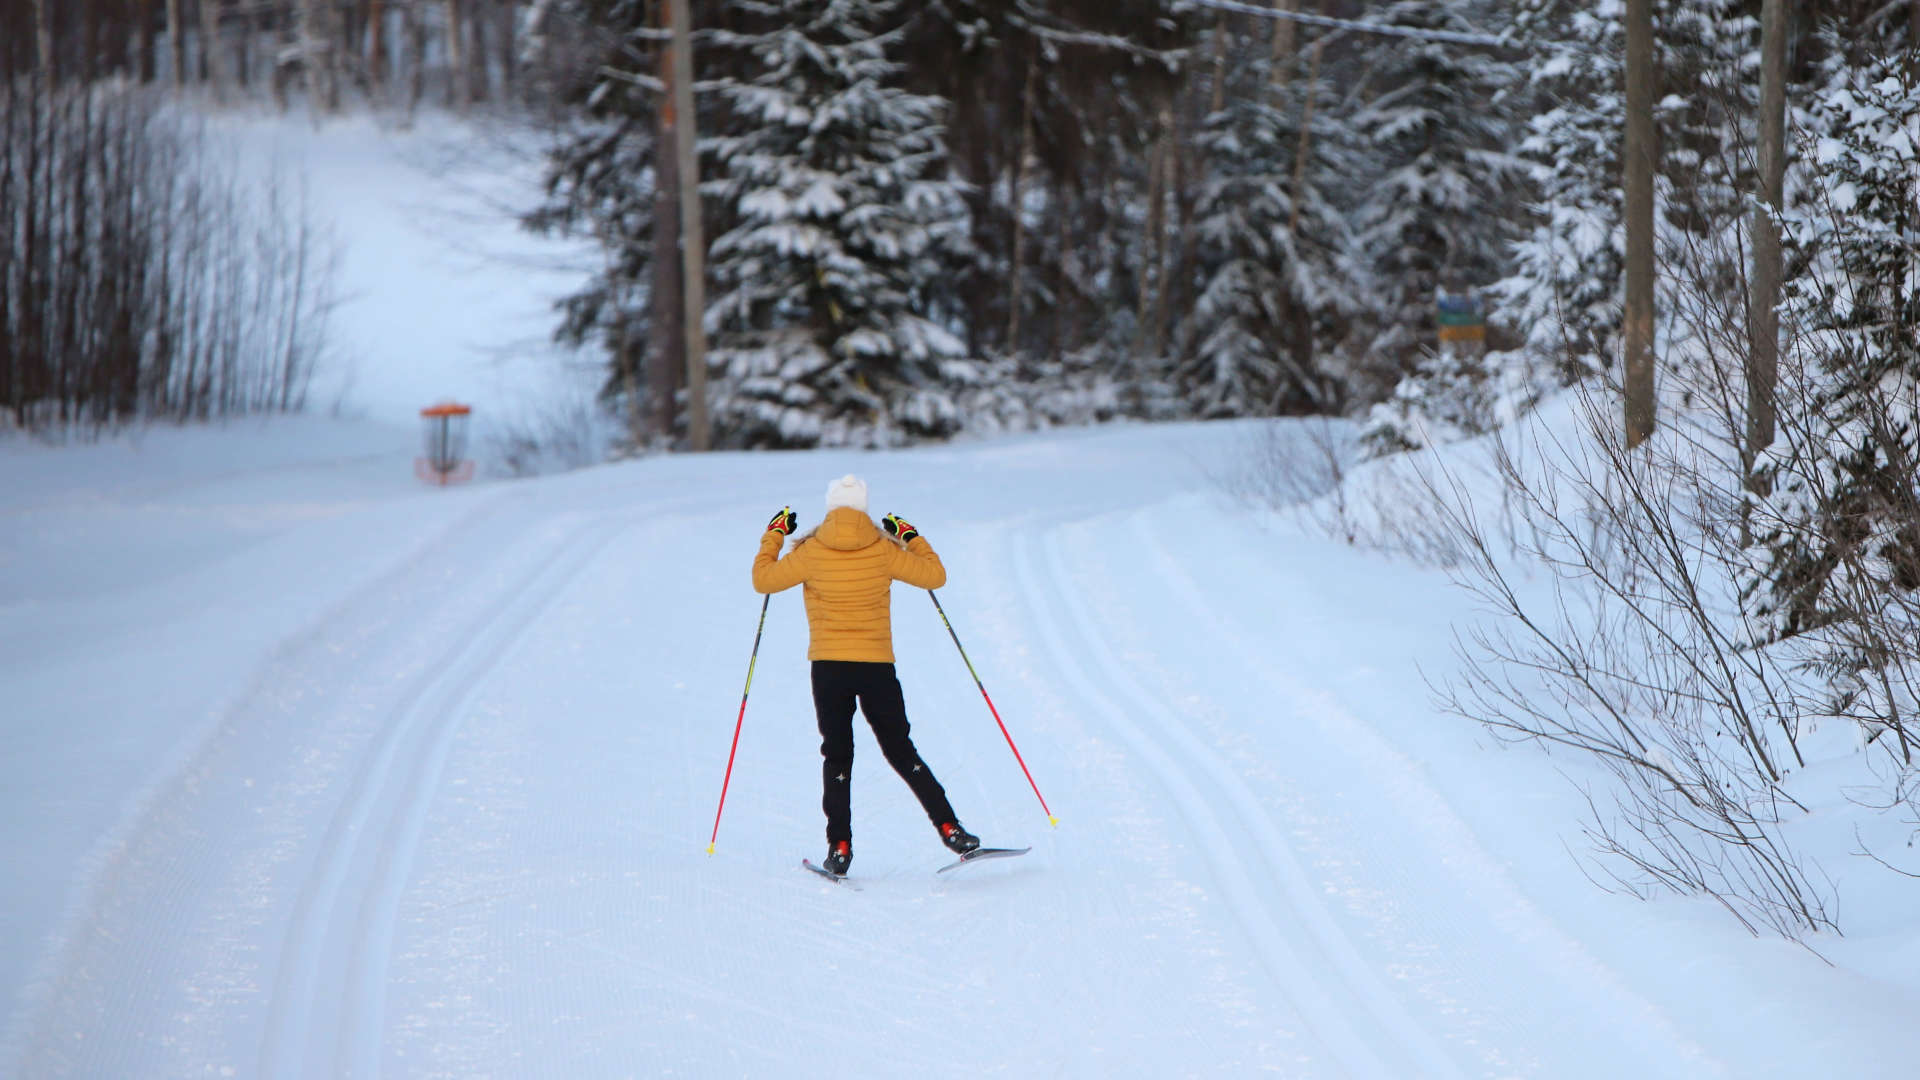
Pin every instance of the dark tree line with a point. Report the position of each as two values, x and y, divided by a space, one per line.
461 52
1173 209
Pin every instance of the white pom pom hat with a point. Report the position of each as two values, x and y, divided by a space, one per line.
849 491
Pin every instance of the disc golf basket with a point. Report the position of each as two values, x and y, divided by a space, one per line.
445 427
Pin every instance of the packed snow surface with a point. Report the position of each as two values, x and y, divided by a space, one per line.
312 771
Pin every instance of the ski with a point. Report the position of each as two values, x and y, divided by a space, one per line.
984 853
837 879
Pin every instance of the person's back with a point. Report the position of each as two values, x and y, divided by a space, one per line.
848 567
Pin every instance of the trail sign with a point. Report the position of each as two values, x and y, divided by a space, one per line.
1460 317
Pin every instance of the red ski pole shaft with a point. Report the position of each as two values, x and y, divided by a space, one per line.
1051 820
740 720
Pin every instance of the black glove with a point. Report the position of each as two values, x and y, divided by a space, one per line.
897 526
783 522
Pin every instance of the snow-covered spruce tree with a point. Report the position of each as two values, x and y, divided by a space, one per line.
845 227
600 182
1564 293
1438 120
1838 541
1274 264
1451 394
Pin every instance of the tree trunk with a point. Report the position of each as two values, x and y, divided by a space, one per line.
1177 275
43 39
1763 315
416 60
376 44
1015 293
1152 268
318 54
1637 166
1220 35
509 32
667 355
693 251
479 52
212 57
143 40
1283 47
457 88
1304 149
1063 285
1913 38
243 50
177 43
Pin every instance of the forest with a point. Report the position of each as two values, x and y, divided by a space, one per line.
978 214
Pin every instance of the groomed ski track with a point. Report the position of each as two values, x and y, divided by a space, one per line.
456 826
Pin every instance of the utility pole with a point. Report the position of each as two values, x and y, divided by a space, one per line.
1763 298
693 247
1636 161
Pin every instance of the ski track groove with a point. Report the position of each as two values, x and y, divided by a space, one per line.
1209 794
397 784
1401 778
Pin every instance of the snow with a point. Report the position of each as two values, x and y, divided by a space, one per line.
311 770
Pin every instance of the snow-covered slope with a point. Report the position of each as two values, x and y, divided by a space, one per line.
311 771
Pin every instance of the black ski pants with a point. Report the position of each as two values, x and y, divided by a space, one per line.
837 686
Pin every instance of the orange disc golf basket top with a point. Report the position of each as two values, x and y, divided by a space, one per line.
445 427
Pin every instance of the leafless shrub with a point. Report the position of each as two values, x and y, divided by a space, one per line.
572 434
138 279
1271 468
1631 650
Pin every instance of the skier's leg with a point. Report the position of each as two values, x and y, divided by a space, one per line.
886 711
833 701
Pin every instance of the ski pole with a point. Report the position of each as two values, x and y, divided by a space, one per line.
751 660
1051 820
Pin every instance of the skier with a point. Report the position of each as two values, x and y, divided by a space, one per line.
848 567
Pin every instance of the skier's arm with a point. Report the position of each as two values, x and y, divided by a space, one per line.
771 573
918 565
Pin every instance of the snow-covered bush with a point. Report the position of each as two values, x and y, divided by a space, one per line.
1455 394
1837 538
1613 578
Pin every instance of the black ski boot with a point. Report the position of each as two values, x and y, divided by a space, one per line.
958 840
839 857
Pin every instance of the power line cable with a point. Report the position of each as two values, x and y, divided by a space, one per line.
1454 36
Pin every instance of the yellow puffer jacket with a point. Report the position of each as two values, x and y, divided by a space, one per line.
848 566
